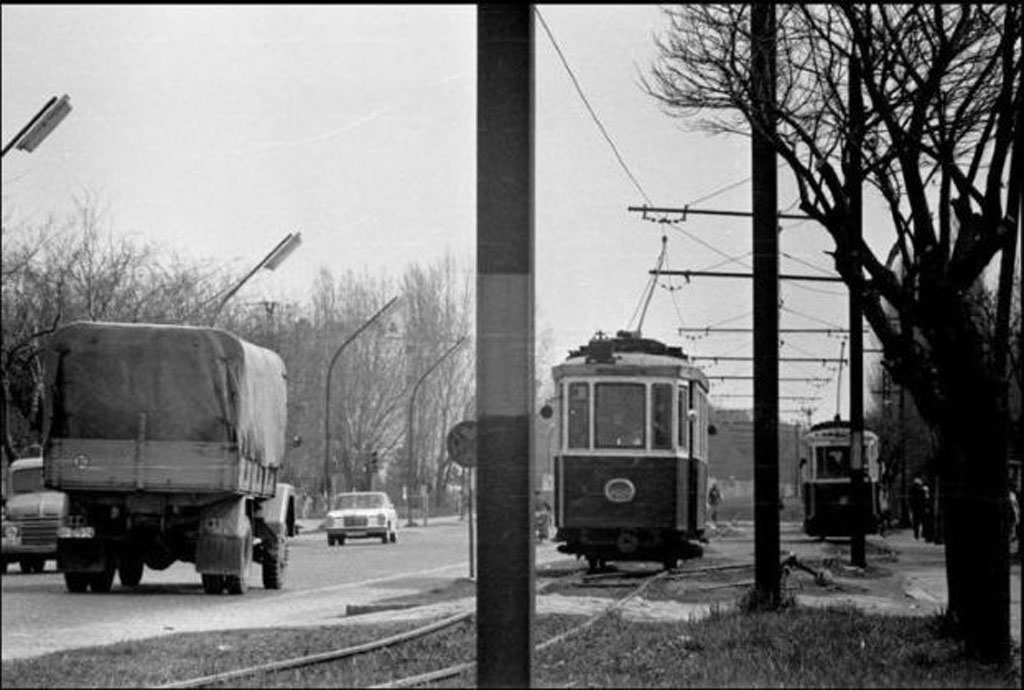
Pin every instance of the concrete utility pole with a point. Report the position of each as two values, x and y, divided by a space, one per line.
766 309
504 322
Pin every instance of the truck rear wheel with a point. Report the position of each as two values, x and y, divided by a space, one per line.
101 582
129 571
77 582
213 584
236 584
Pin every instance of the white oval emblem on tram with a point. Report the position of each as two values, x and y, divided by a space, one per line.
619 490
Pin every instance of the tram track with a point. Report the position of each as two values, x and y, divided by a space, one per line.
291 663
457 669
635 582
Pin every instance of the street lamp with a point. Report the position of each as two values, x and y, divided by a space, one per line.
40 126
271 261
327 397
409 436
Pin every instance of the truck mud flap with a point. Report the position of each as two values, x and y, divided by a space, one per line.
225 539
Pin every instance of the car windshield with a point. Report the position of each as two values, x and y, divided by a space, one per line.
358 501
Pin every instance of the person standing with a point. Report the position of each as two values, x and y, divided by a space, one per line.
714 498
918 499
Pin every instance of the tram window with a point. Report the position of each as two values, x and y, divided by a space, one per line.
620 415
661 409
684 418
833 462
579 415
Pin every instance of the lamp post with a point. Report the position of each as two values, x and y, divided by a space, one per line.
409 436
271 261
40 126
327 396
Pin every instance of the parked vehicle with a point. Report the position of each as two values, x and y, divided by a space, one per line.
167 441
362 515
31 517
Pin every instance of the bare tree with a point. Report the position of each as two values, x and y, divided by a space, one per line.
57 272
367 381
438 312
942 85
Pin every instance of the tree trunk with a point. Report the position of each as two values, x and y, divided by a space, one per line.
974 503
977 550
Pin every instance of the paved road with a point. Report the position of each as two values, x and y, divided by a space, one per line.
39 616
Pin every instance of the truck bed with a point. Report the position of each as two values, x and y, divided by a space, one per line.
85 464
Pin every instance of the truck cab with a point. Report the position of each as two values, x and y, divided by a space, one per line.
31 517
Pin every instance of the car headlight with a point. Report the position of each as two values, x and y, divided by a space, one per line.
381 519
12 531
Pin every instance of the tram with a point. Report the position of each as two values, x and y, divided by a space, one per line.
631 466
826 485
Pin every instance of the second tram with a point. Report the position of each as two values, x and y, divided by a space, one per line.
829 505
631 468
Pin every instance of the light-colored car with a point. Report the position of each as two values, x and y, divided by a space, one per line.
362 514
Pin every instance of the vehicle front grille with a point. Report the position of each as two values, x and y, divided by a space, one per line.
355 521
38 531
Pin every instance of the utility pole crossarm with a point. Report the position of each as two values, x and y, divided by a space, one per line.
734 274
686 210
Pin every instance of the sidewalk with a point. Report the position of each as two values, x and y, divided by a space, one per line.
924 575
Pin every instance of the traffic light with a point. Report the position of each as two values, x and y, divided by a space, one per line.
373 461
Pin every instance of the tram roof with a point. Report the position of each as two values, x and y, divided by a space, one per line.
837 424
627 354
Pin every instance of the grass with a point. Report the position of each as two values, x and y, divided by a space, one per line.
795 647
838 647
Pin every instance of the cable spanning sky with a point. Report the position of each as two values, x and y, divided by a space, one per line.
217 130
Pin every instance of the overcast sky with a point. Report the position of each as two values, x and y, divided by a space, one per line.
215 131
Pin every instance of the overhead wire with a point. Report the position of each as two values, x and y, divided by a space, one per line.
590 109
615 150
727 258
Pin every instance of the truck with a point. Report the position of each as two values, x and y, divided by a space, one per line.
31 516
167 441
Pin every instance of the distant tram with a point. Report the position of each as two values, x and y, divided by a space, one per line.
826 485
631 466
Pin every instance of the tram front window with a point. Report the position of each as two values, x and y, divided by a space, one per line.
620 418
661 406
833 462
579 415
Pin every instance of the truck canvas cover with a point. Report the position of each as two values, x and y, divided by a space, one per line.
191 384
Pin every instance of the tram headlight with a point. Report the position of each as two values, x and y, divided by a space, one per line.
619 490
